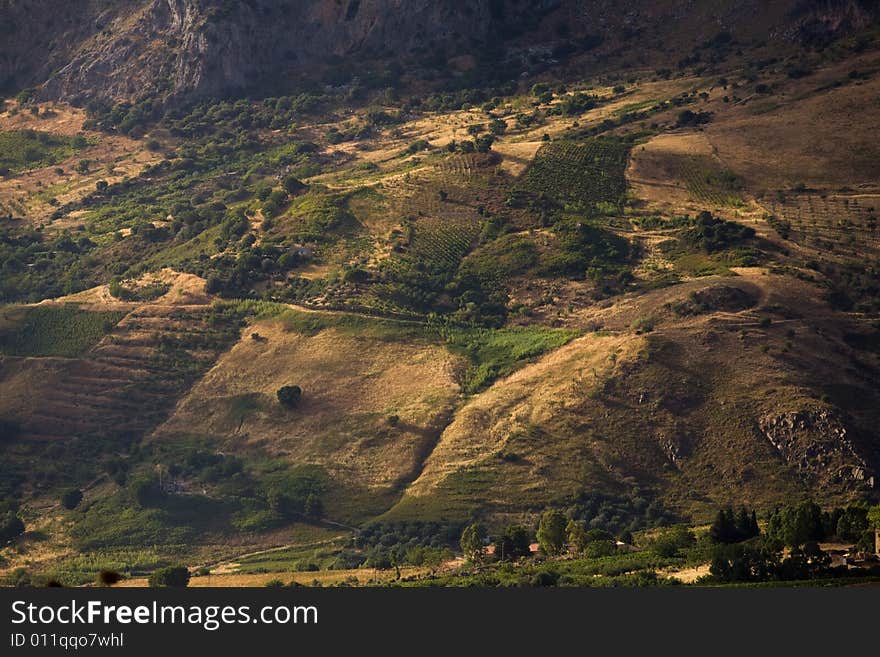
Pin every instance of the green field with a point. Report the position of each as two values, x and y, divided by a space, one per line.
57 330
21 150
498 353
590 173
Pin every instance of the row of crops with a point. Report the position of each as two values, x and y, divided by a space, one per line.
441 224
708 182
845 225
435 248
589 173
52 330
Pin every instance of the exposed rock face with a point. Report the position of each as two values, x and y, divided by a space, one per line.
131 49
816 21
816 443
138 48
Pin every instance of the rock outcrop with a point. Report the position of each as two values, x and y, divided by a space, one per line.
817 444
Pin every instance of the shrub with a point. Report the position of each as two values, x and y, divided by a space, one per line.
147 491
289 396
108 577
292 185
70 499
11 526
171 576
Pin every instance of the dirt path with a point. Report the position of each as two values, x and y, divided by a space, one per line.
687 575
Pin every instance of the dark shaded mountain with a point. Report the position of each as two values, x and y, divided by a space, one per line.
135 49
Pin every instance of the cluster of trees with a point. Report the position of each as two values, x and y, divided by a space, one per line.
689 118
34 265
480 144
761 563
575 105
556 535
205 118
297 494
734 527
793 526
384 545
711 233
745 555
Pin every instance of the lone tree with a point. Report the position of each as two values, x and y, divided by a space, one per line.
473 542
551 532
498 127
70 499
576 535
289 396
513 543
172 576
148 491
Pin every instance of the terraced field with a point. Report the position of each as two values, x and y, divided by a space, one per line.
440 220
457 183
131 380
841 225
708 182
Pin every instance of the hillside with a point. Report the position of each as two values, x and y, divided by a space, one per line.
242 314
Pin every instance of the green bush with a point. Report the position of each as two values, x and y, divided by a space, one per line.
171 576
70 499
289 396
11 526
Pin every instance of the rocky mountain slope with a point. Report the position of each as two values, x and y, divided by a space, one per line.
178 49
